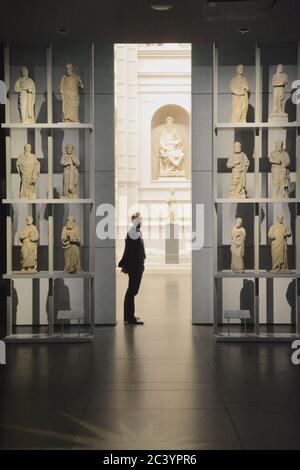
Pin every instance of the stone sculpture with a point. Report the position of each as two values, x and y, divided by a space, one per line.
28 240
69 87
171 154
280 161
238 163
70 238
28 168
238 236
25 87
239 87
279 233
70 163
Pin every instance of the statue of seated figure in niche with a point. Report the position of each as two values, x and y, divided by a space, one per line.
171 155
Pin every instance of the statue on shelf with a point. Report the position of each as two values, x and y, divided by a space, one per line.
71 163
25 87
238 162
70 238
172 205
28 240
238 236
279 80
239 87
278 233
28 168
171 154
70 84
280 161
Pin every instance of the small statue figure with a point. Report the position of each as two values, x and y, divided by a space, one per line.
28 240
28 168
279 80
238 236
239 163
172 206
171 154
25 87
278 233
70 238
280 161
70 84
239 87
71 163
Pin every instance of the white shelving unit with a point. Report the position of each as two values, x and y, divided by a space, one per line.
256 202
86 205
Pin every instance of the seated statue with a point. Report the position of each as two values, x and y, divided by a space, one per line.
171 154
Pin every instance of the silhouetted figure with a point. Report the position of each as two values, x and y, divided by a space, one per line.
132 263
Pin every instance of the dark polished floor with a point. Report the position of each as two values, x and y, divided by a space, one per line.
164 385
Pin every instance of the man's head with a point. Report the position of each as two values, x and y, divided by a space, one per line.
136 219
24 71
240 69
279 145
29 220
27 148
69 68
237 147
279 68
238 222
280 219
69 149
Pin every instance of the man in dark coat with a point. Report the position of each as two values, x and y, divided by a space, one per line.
132 263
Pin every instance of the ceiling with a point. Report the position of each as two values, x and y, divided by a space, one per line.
135 21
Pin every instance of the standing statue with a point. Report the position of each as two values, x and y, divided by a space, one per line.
171 154
278 233
172 206
239 87
239 163
70 84
70 238
25 87
28 168
238 236
280 161
28 240
279 80
71 163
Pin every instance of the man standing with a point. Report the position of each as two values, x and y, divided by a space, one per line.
132 263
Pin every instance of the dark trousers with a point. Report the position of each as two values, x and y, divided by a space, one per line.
134 283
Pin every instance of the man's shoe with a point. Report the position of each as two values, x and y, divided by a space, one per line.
126 319
134 321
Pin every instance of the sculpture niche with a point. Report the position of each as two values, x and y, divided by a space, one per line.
238 163
28 168
28 241
70 238
69 87
279 233
70 163
171 156
26 90
280 161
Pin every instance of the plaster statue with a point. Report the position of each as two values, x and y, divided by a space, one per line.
279 80
70 238
28 240
25 87
238 236
278 233
70 84
280 161
239 87
172 205
171 154
28 168
71 163
238 162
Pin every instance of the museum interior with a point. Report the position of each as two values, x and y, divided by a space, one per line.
185 114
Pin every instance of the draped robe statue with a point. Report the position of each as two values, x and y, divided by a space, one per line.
70 238
279 80
70 84
171 154
25 87
278 233
238 162
28 168
239 87
71 163
238 236
280 161
28 240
